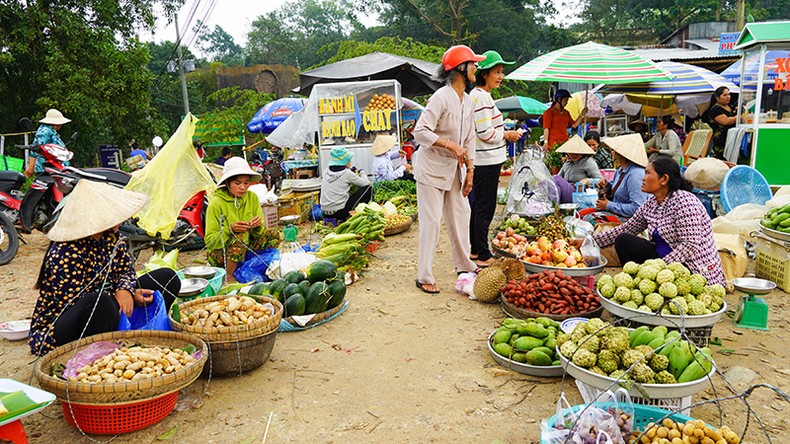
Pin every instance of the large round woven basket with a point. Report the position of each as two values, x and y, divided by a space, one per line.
236 357
222 334
319 316
518 312
398 228
120 392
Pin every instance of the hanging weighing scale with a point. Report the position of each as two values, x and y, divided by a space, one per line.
752 311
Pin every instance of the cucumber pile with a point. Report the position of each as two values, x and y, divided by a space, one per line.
321 289
778 219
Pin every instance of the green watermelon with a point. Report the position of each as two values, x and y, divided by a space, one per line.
295 305
317 297
259 289
294 277
276 289
321 270
289 290
304 286
338 291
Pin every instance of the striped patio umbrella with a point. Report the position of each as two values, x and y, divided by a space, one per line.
687 79
590 63
515 104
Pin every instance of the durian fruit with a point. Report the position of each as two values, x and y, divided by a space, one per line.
512 268
488 284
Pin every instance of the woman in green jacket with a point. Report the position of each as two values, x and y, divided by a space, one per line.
234 218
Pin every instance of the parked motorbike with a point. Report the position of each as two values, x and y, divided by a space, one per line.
9 239
268 163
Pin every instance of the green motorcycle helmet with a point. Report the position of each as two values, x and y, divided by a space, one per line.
492 58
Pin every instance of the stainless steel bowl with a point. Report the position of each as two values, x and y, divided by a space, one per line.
200 271
192 287
753 285
285 220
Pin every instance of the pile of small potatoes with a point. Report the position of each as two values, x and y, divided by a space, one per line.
133 364
692 432
228 312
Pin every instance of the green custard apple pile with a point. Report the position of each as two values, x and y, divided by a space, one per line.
642 355
648 286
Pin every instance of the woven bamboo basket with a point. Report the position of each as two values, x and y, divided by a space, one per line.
120 392
236 357
318 317
399 228
222 334
518 312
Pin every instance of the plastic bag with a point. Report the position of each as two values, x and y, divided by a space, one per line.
87 355
742 220
585 196
591 252
532 191
780 199
564 420
253 269
465 284
579 228
150 317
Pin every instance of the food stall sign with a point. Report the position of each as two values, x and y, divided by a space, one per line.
727 43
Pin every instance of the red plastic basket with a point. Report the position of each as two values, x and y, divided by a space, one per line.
112 419
374 245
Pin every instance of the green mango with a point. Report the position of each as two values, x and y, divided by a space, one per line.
537 357
548 351
537 331
503 349
527 343
520 357
502 336
635 333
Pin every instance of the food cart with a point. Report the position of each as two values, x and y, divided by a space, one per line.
352 114
764 102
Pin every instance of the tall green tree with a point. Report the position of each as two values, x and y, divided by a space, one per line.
219 46
82 58
293 34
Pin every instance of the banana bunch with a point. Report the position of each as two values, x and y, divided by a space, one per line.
368 223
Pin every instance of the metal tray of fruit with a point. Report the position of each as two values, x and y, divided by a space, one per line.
648 391
672 321
519 313
550 371
498 252
574 272
775 233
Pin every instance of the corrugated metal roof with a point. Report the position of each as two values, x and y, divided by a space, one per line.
711 51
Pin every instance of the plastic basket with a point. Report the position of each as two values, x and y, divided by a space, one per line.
111 419
643 415
591 394
743 185
772 262
374 245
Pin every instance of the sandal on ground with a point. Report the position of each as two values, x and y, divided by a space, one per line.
424 287
473 257
475 271
485 263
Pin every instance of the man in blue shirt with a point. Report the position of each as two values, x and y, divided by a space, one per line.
46 133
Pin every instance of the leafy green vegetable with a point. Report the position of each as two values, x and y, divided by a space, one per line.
388 189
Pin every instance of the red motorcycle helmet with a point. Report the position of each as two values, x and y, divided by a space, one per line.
457 55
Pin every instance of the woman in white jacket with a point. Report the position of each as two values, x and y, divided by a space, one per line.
490 153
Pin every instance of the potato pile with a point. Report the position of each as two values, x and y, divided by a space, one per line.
693 432
381 101
227 313
133 364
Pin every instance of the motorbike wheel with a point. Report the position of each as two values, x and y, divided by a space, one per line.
9 240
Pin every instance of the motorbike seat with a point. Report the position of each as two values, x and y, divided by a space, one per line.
11 180
116 177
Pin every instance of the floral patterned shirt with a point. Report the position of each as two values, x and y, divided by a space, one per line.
71 270
683 223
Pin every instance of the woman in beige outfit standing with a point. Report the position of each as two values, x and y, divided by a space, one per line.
444 165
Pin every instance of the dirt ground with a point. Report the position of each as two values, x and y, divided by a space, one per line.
398 366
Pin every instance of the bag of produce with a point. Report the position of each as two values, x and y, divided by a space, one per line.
564 420
150 317
532 190
590 252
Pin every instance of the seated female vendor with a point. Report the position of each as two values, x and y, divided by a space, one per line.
383 158
580 167
234 218
337 200
87 278
666 141
678 225
618 200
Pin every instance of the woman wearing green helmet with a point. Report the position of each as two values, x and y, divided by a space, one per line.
490 153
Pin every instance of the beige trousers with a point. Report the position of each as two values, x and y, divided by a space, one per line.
432 204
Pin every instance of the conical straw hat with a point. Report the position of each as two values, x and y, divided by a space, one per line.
629 146
576 146
93 207
382 144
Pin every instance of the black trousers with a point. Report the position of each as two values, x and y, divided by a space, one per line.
483 203
105 317
634 248
363 194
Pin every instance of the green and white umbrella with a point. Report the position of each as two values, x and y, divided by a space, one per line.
590 63
515 104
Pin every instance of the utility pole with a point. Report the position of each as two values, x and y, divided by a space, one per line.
181 69
740 20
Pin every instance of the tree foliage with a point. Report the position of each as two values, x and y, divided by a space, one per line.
219 46
231 109
293 34
83 59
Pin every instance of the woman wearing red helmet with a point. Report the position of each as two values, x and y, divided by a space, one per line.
444 165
